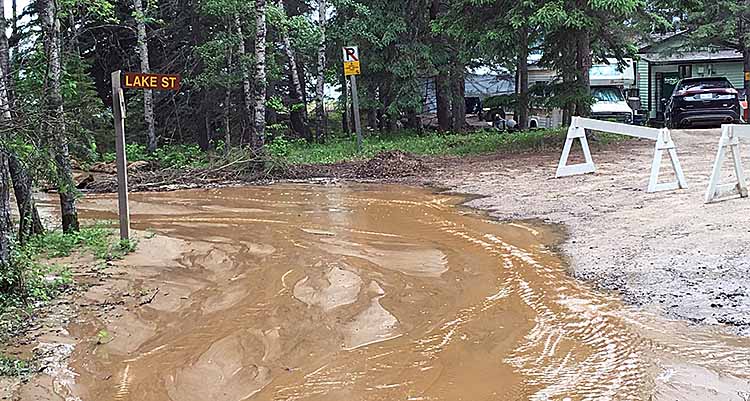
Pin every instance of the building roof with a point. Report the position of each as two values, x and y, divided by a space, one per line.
674 48
692 56
483 86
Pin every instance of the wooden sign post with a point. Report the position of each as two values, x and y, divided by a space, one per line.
351 70
118 107
133 80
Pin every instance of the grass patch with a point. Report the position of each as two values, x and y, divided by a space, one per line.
344 148
32 280
168 156
432 144
14 367
97 239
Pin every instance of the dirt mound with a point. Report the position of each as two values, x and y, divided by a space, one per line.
391 164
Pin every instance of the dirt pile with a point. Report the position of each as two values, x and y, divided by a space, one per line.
387 165
391 164
163 180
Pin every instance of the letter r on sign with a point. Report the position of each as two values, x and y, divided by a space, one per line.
351 54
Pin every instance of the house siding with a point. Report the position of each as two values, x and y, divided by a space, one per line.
731 70
642 76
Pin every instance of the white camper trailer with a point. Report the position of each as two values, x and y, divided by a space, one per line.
611 87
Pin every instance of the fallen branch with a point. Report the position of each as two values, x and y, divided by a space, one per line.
151 298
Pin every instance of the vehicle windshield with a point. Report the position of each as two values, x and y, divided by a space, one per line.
707 84
607 94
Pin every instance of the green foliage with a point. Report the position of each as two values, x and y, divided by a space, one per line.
167 156
40 281
276 104
714 25
507 102
341 149
103 337
14 367
279 147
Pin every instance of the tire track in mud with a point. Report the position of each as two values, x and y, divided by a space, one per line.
613 366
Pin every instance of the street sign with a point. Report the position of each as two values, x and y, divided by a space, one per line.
351 70
164 82
133 80
351 61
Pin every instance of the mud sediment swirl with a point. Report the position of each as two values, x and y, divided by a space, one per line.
370 293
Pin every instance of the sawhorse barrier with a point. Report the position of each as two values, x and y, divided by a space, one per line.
662 137
730 140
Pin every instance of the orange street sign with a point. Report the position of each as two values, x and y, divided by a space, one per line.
164 82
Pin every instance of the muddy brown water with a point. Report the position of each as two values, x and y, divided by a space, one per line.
355 292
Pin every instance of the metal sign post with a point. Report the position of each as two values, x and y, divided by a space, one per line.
351 70
118 107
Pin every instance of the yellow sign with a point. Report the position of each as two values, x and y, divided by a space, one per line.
352 68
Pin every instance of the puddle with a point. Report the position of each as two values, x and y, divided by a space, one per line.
377 293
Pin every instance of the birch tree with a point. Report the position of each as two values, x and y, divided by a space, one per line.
55 124
260 75
247 86
148 94
29 221
6 227
298 114
320 83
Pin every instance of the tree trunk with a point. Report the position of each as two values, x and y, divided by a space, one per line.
5 64
298 112
6 227
443 99
148 95
14 17
569 79
227 120
346 116
302 76
746 83
56 123
372 118
458 90
583 66
442 86
247 86
320 84
523 78
260 75
29 221
412 120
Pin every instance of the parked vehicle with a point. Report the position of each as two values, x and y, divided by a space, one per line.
610 105
702 102
612 83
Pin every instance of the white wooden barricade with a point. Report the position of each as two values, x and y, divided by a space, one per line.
662 137
730 140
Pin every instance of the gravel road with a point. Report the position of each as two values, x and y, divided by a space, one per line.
666 251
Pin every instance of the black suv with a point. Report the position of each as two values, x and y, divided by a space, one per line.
702 102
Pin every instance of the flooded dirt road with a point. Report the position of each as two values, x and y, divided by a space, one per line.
354 292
